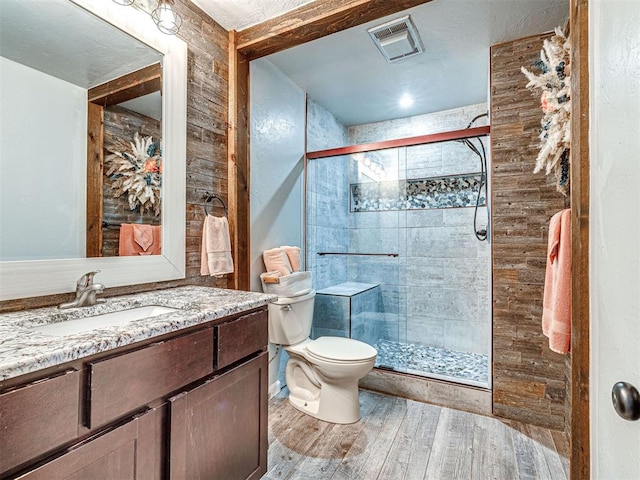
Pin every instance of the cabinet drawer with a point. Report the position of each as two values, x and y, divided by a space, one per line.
129 452
125 383
37 418
241 337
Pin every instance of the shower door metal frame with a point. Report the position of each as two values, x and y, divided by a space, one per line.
474 132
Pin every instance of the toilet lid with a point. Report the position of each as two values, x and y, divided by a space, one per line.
341 349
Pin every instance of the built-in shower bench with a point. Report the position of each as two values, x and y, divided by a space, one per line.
338 307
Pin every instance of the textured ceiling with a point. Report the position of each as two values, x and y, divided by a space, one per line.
240 14
346 74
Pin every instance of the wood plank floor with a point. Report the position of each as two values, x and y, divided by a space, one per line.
403 439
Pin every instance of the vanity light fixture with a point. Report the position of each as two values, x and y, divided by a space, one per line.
165 18
368 167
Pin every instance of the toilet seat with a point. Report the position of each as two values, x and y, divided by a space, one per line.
340 350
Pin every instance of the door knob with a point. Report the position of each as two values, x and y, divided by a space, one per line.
626 400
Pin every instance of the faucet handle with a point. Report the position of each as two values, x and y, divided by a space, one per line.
87 279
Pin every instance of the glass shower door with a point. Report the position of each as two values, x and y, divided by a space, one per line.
392 242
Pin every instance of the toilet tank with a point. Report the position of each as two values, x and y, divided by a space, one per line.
290 319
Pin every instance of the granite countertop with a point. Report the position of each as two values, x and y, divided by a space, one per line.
23 350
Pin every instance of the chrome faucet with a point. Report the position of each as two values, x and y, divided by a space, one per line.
86 292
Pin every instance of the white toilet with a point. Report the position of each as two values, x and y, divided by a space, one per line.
322 375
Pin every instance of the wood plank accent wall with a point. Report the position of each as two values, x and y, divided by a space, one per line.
529 380
207 106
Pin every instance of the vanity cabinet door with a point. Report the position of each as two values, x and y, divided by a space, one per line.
219 429
38 418
130 451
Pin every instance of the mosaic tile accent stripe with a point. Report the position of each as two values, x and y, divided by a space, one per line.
416 194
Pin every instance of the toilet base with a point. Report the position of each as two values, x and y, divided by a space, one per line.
337 403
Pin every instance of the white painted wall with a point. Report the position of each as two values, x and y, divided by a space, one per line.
43 130
614 45
277 171
277 163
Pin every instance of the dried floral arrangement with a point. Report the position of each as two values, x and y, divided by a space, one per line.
554 82
138 174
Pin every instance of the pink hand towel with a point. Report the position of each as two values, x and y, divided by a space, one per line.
216 247
276 260
293 254
139 239
556 314
143 235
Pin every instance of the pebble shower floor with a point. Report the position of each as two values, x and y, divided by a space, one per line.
422 360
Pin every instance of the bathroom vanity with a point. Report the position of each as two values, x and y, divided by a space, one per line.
181 395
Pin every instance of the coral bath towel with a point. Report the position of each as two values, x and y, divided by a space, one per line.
276 260
216 247
293 253
556 314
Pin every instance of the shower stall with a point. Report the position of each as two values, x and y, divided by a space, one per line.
397 237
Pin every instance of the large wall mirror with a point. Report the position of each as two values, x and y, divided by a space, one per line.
93 103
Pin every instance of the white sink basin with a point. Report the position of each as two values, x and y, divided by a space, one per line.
71 327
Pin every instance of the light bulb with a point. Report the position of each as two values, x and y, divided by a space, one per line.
406 101
166 19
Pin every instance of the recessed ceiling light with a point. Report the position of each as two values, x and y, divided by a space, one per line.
406 101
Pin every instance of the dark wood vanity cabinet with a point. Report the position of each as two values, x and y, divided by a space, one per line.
217 428
191 405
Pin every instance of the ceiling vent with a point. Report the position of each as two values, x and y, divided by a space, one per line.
397 39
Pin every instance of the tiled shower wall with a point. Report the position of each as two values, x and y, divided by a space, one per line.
440 280
327 199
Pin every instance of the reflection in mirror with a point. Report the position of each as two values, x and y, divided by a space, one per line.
124 155
74 90
48 159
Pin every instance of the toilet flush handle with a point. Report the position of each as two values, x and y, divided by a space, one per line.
286 308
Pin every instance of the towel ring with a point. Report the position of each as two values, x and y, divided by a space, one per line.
212 196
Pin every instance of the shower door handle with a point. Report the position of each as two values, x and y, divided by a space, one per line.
626 400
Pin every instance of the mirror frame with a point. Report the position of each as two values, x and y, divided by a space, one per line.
33 278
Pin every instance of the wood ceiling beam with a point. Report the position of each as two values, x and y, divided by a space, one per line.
127 87
314 20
